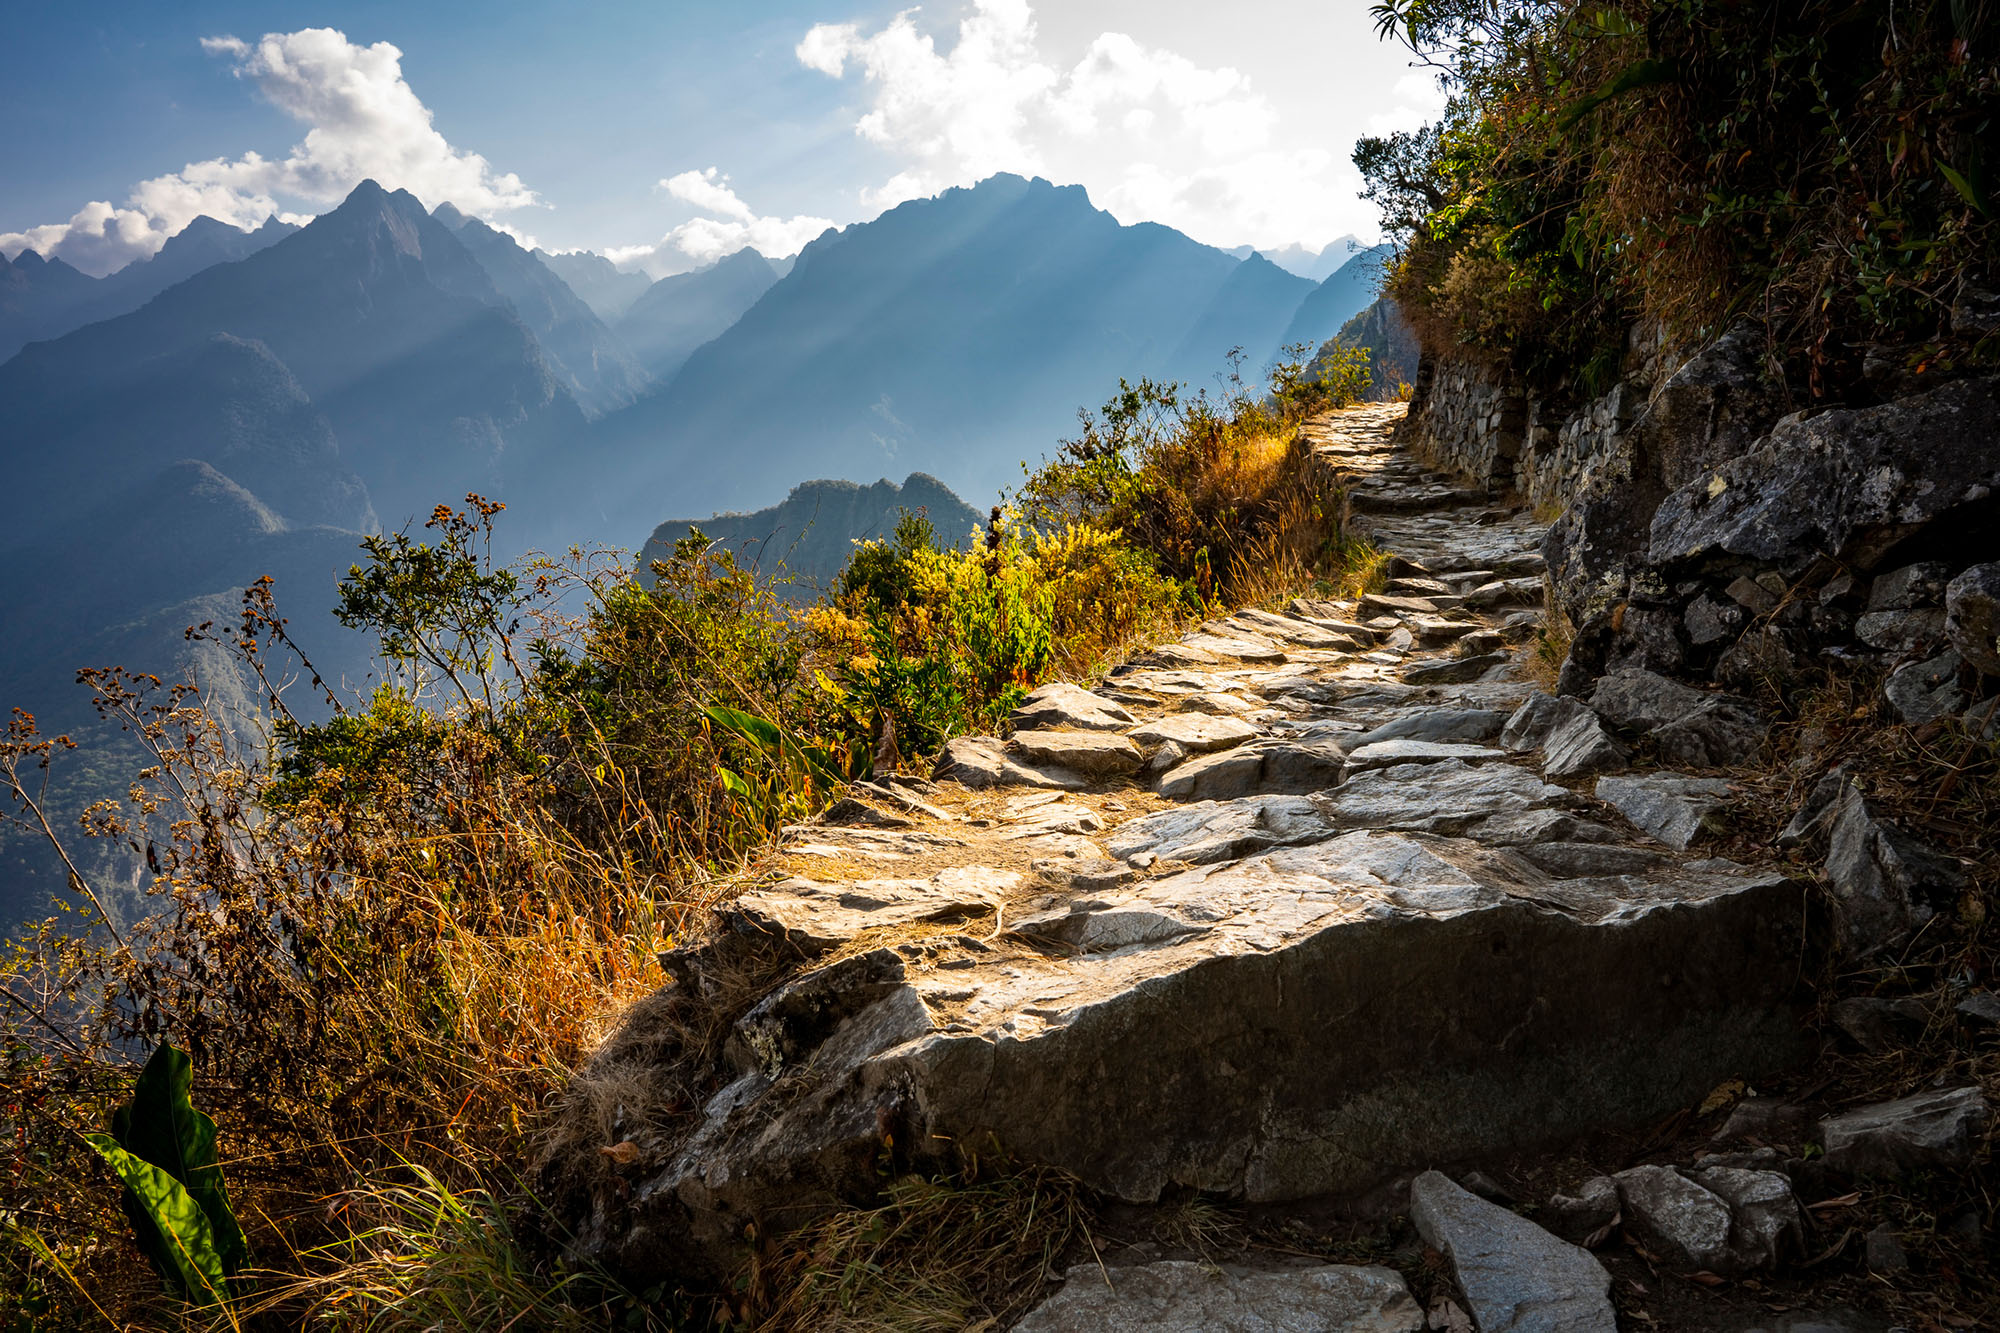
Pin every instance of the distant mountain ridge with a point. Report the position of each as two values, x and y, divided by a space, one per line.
679 313
47 298
810 536
955 335
596 368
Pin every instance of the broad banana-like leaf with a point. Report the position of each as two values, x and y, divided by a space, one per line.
176 1237
160 1125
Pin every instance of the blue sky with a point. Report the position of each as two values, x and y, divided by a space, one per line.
662 132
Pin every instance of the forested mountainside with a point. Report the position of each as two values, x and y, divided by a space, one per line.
810 537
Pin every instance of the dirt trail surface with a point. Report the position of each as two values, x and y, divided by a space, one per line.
1305 900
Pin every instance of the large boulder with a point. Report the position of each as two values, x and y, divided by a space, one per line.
1303 1022
1847 485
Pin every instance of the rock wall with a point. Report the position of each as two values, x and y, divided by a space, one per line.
1479 420
1708 531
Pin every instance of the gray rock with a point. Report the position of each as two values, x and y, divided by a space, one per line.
1270 767
1589 860
1456 670
1195 733
1384 754
1581 746
1532 722
1766 1225
1446 797
1912 585
1091 753
1586 1217
1690 728
1880 1026
1883 881
1211 831
1766 1120
1884 1253
1847 484
1901 631
1065 707
1516 1277
1178 1297
1815 818
1972 616
1689 1224
1440 724
983 761
1752 596
814 917
1931 1129
1981 1008
1242 647
1505 592
1709 621
1676 809
1375 604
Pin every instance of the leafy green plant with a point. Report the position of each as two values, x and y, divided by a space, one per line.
163 1149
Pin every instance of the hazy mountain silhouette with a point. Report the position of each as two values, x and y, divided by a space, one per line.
602 286
592 363
811 535
1313 266
1341 297
956 335
384 320
678 314
65 303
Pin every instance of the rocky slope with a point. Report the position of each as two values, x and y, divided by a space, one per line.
1287 910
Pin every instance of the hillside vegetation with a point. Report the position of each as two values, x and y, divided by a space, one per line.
386 939
1824 169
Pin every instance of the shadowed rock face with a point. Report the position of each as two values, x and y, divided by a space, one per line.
1389 945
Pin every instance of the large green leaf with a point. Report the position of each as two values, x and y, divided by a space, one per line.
160 1125
177 1237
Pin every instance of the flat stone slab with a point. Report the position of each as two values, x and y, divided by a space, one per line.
1517 1278
1241 647
1383 754
1273 766
1196 733
1931 1129
1451 671
1676 809
1440 724
1065 707
1178 1297
1094 754
813 917
983 761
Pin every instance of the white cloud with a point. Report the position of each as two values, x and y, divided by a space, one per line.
1152 134
364 121
1417 99
703 240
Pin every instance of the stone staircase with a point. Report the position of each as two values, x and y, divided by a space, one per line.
1281 910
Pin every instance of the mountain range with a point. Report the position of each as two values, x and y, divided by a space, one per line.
249 403
808 537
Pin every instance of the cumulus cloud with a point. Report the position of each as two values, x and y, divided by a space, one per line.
364 120
704 240
1153 135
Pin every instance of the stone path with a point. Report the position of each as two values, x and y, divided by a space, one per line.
1279 910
